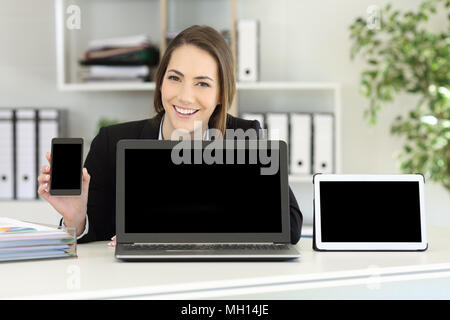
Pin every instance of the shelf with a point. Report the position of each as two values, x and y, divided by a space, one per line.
150 86
287 85
109 19
102 20
115 86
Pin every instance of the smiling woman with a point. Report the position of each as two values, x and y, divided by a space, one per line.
195 81
186 97
195 85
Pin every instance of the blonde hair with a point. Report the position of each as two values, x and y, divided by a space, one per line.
208 39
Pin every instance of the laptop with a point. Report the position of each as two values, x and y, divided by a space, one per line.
361 212
202 200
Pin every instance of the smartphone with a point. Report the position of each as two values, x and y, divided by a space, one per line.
66 167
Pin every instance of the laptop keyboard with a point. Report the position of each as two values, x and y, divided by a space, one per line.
228 246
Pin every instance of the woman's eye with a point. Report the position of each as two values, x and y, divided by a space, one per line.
204 84
173 78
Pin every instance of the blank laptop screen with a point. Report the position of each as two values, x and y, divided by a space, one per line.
376 211
163 197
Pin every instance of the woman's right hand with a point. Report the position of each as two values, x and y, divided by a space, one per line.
72 208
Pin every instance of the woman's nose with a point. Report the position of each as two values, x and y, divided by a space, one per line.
186 95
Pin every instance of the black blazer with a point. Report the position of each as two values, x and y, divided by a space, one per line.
101 165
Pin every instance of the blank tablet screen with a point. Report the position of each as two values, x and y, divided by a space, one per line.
375 211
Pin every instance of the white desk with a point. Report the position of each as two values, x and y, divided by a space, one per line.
317 275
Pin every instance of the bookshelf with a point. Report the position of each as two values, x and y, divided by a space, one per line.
146 86
104 19
175 15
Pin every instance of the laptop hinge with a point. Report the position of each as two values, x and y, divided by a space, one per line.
206 243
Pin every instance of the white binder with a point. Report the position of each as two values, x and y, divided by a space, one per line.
48 128
301 140
6 155
248 50
278 126
26 171
323 143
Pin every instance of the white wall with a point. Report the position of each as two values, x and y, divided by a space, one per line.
300 41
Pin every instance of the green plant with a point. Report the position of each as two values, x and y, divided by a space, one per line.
404 57
103 122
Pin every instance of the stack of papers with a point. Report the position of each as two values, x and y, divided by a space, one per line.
119 72
120 59
119 42
24 241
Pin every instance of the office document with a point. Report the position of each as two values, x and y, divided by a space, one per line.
25 241
6 155
301 140
123 59
248 50
323 143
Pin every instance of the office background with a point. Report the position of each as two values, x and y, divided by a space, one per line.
300 41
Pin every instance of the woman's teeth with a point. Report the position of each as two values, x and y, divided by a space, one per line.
185 111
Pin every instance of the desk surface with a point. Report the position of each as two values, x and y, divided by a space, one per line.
97 274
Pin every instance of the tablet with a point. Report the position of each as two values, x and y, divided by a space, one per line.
369 212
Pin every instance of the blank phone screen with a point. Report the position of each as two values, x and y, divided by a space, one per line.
66 167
